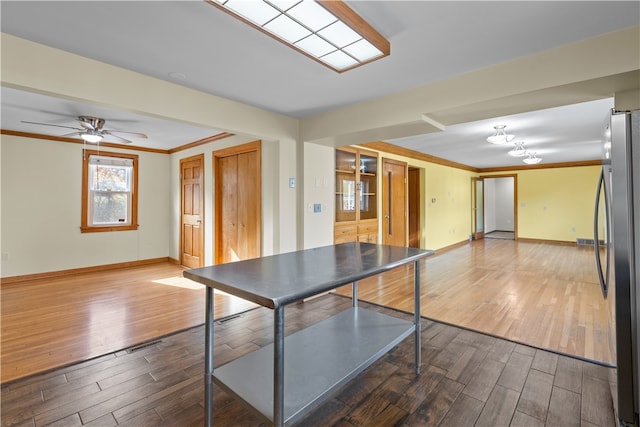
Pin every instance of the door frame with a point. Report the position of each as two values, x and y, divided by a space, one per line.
226 152
475 234
515 198
414 190
199 157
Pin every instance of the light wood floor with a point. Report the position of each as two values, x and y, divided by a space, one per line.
49 323
544 295
539 294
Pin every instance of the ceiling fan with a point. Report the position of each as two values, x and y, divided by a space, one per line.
91 130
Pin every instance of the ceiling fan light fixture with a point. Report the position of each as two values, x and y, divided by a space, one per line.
500 136
532 159
518 150
91 137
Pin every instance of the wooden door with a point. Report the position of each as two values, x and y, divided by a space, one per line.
477 190
192 228
248 242
238 201
414 207
394 203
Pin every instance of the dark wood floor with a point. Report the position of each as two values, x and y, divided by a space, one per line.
467 379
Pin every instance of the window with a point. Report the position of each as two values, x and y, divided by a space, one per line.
109 191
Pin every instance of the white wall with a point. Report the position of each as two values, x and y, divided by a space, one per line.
489 205
319 182
41 206
41 209
498 204
504 204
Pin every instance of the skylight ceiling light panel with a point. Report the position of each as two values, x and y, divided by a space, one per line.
315 28
287 28
256 11
363 50
312 15
339 34
339 60
284 5
315 45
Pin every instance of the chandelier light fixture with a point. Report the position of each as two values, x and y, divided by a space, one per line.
518 150
500 136
329 32
532 159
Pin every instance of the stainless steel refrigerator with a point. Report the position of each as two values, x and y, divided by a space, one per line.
617 249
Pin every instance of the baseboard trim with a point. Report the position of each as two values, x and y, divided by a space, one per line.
60 273
551 242
451 247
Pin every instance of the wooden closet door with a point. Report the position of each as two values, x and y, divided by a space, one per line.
228 210
238 202
248 241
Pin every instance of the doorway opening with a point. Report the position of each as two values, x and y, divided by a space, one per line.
500 207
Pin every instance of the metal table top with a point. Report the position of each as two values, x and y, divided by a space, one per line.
278 280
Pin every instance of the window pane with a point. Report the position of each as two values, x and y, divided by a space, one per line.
110 208
110 178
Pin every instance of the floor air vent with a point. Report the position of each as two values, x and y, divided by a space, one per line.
141 346
587 242
229 319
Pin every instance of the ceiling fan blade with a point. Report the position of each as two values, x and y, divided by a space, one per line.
113 132
49 124
71 134
121 139
87 126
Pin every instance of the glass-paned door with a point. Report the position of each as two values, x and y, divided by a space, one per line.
346 186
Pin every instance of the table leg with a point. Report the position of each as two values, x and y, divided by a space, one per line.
208 359
354 294
416 296
278 367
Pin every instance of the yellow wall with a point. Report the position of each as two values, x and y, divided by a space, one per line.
447 220
553 204
557 204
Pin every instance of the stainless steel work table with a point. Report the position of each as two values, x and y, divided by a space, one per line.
282 386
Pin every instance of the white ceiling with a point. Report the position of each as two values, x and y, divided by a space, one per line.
196 45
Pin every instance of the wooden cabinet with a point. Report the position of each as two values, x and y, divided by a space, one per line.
356 196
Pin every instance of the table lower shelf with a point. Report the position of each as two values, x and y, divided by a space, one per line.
317 361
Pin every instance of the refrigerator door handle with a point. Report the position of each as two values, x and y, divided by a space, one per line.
603 276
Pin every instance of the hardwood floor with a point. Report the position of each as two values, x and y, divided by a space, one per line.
540 294
49 323
466 379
